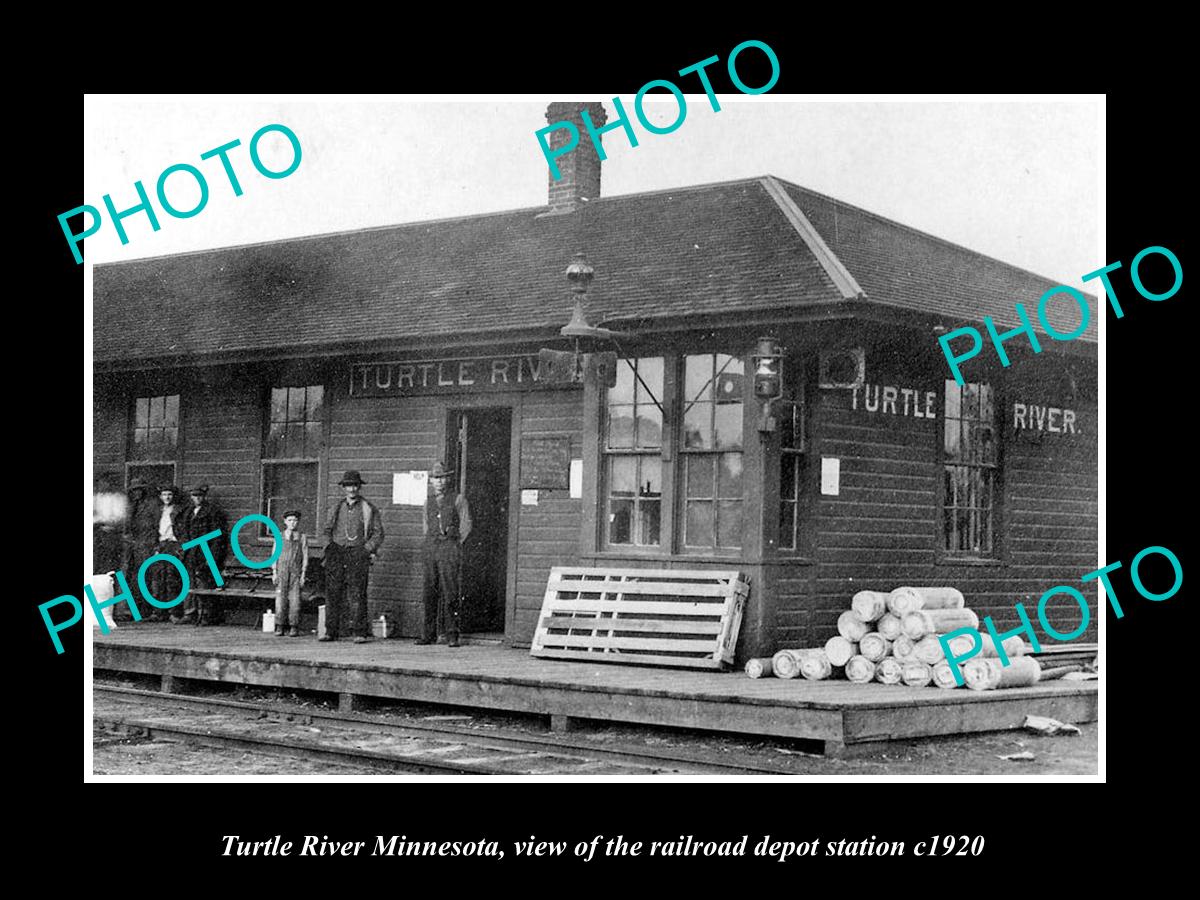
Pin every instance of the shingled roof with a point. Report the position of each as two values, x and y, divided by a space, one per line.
721 249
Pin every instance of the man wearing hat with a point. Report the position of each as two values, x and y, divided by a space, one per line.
141 534
353 535
447 525
170 532
203 517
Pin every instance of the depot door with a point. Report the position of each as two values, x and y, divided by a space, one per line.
479 452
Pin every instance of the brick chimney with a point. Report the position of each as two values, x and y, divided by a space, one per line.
581 167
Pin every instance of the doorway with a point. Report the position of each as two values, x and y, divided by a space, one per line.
478 451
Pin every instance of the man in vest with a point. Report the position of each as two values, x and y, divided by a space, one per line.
447 525
353 535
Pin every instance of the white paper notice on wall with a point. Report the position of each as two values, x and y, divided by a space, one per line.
529 498
576 479
410 488
831 475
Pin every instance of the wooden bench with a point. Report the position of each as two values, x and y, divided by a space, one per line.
654 617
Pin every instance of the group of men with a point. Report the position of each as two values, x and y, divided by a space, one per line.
163 523
353 534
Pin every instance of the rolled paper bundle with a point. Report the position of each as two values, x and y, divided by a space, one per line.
910 599
1013 645
785 664
916 673
889 671
889 626
963 643
943 676
851 627
869 605
981 674
839 650
929 650
859 669
989 675
902 648
936 621
815 666
904 600
760 668
874 646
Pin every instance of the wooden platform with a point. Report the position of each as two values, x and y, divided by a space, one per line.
841 715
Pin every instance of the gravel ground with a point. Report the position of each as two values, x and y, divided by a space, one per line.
960 755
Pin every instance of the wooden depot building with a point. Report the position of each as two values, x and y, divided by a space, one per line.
268 370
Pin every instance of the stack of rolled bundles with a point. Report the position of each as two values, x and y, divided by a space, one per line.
894 638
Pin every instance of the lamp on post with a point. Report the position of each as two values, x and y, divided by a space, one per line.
768 379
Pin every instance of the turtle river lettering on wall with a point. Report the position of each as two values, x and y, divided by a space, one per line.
901 401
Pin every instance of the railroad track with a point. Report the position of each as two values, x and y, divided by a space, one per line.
409 747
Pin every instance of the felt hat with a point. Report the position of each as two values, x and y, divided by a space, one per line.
351 477
439 471
291 512
200 489
174 489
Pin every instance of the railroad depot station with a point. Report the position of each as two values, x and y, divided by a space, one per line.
268 370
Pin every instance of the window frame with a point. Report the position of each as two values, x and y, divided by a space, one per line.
715 453
797 390
996 555
173 461
262 535
609 454
673 461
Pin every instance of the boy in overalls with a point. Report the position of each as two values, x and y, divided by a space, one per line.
287 573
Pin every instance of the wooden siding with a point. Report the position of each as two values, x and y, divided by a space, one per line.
884 528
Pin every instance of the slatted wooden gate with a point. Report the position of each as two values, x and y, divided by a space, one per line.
654 617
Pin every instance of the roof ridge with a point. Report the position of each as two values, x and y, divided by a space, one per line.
925 234
843 280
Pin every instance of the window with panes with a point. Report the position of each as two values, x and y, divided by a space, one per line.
292 446
970 470
633 454
154 440
704 475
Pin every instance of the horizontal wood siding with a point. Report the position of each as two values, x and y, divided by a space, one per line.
221 429
884 529
547 534
379 436
109 421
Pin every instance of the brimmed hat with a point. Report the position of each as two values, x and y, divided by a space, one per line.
352 477
291 512
198 489
439 471
174 489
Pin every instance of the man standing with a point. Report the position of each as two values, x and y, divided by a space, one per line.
141 534
165 578
353 535
447 525
203 517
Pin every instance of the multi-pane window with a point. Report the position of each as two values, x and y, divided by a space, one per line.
793 460
971 465
155 428
154 440
633 450
712 451
291 453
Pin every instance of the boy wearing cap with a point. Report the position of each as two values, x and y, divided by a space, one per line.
287 572
353 535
